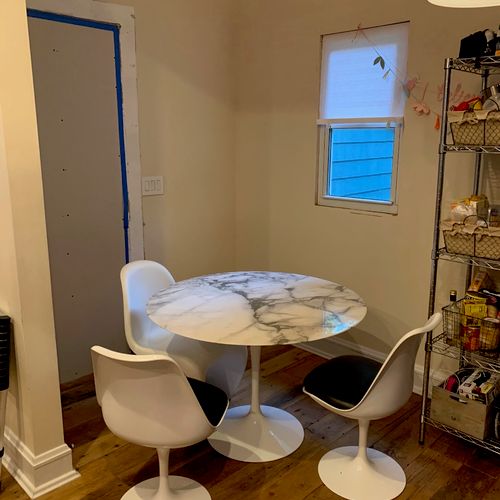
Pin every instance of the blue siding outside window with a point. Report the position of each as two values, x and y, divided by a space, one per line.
360 165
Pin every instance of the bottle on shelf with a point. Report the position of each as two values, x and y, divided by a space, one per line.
452 320
491 97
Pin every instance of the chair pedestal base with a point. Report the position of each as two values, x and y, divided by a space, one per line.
379 478
261 436
180 488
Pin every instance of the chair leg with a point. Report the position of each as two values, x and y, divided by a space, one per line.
363 426
164 490
165 487
360 473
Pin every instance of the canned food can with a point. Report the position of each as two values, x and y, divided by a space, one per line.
470 336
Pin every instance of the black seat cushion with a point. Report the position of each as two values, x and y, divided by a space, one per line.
212 399
343 381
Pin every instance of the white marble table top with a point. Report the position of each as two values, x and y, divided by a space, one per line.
256 308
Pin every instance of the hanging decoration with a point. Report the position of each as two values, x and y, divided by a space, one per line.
411 86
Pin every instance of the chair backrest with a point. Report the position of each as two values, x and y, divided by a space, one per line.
141 279
147 400
393 384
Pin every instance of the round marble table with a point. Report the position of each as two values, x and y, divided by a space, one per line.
256 309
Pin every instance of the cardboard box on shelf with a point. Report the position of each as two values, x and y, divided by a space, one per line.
463 414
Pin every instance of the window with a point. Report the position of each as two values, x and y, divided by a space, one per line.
361 116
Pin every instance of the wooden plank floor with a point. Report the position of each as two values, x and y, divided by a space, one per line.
445 468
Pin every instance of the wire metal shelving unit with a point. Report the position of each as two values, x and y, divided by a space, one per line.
485 67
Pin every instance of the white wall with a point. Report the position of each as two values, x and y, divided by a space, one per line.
385 258
186 70
35 449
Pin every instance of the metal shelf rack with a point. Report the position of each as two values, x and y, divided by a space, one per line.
471 149
494 265
487 65
484 67
486 361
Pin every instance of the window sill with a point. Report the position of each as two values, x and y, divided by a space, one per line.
358 205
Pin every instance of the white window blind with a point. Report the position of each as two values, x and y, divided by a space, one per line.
351 85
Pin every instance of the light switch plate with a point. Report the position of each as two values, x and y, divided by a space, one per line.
152 186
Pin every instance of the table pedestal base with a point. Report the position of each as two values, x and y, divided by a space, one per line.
257 437
379 477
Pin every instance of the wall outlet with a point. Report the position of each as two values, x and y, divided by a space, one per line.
152 186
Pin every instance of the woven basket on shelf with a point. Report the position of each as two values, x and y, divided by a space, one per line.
492 129
487 242
466 128
471 239
475 128
457 239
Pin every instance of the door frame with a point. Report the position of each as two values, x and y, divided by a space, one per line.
124 18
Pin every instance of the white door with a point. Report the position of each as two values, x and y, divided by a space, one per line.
85 188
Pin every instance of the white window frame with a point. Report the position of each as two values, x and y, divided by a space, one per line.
323 199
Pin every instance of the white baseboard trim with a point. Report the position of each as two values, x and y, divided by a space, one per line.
37 474
330 348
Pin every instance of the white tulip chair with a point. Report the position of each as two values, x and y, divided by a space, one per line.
363 389
220 365
147 400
